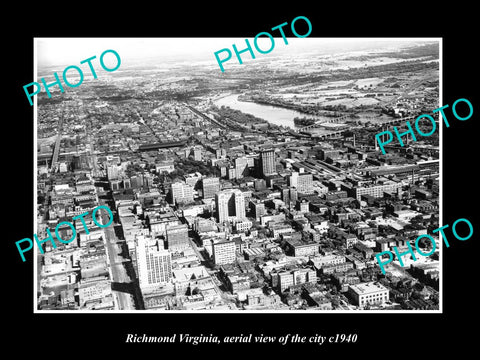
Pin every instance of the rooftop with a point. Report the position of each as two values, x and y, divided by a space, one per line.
366 288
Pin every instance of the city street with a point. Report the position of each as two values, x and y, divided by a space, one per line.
119 272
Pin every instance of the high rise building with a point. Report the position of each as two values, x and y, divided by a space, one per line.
181 193
224 252
241 167
222 204
210 187
239 204
197 154
113 172
153 263
285 195
230 203
303 182
267 162
293 195
177 237
231 173
220 153
257 209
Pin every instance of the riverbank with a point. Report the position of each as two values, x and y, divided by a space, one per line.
276 115
299 108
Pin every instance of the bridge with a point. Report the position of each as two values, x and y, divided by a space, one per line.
330 135
341 118
320 122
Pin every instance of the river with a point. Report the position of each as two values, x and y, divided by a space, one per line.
273 114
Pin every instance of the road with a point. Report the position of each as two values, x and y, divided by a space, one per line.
118 270
56 149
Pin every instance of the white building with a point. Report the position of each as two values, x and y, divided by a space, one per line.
224 252
369 293
181 193
154 264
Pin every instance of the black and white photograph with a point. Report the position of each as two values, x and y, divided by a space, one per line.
232 181
262 187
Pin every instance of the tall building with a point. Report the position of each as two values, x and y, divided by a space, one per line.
231 173
241 167
177 237
267 162
220 153
113 172
230 203
197 154
257 209
285 195
303 182
239 204
210 187
154 264
223 205
224 252
293 195
181 193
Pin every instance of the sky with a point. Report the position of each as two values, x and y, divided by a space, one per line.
70 51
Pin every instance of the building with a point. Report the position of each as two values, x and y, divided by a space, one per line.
293 194
210 186
177 237
230 204
243 225
337 268
327 260
165 166
181 193
301 248
197 154
224 252
241 167
257 209
303 205
285 279
285 195
193 179
113 172
267 162
376 190
154 264
303 182
368 293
